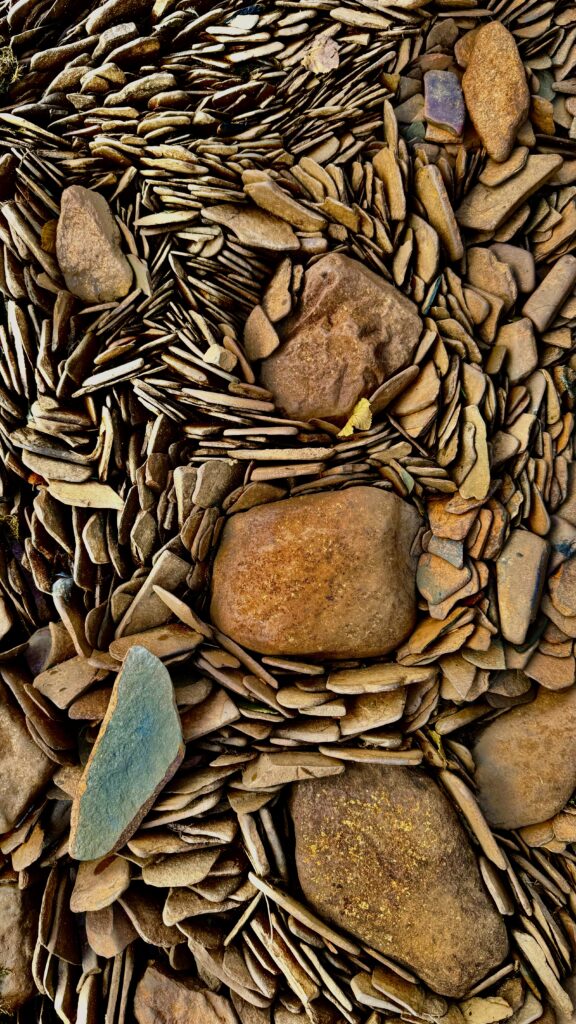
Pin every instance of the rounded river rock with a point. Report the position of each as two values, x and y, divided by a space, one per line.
88 247
525 765
495 89
328 575
381 854
352 330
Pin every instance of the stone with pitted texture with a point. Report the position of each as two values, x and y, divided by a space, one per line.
88 247
495 89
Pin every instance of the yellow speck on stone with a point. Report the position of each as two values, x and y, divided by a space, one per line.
360 418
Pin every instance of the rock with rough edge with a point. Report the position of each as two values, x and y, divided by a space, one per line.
525 765
351 331
88 247
18 931
444 102
331 575
24 768
495 89
520 576
163 997
380 853
138 748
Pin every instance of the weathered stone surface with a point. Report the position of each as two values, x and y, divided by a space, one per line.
88 247
351 331
24 768
519 341
485 208
381 853
18 928
165 998
520 577
495 89
138 748
525 765
443 101
331 575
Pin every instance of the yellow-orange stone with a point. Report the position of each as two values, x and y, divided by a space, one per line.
330 575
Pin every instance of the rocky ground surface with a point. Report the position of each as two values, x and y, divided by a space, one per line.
287 512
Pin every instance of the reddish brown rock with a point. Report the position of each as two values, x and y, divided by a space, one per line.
88 247
327 574
351 332
24 768
165 998
18 927
381 854
495 89
525 767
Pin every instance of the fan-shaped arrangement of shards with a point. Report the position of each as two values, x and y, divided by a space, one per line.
287 511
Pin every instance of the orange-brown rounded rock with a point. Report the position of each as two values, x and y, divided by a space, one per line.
330 575
380 853
352 330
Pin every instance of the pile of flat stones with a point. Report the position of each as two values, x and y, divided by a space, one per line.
287 676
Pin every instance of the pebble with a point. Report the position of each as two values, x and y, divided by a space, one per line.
214 480
260 337
377 823
487 273
562 587
138 748
485 208
443 101
495 173
520 343
332 576
162 995
520 575
495 89
18 932
24 768
88 247
549 297
272 199
525 768
351 331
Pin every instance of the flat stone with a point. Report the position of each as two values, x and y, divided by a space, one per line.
260 337
147 610
24 768
552 292
443 101
275 201
332 575
520 343
138 748
381 854
485 208
520 575
214 479
495 89
179 999
525 766
486 272
437 579
18 930
521 263
254 227
64 682
351 331
562 587
88 247
431 192
495 173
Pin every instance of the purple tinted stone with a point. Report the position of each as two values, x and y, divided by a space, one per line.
443 101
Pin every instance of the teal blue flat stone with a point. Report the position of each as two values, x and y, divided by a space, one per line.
138 749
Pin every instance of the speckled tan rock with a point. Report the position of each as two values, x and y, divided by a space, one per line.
88 247
495 89
380 853
162 997
18 928
327 574
525 765
351 331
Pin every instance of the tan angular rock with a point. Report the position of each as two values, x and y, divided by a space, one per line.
525 766
88 247
162 997
24 768
351 331
495 89
520 574
18 928
332 575
485 208
381 854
